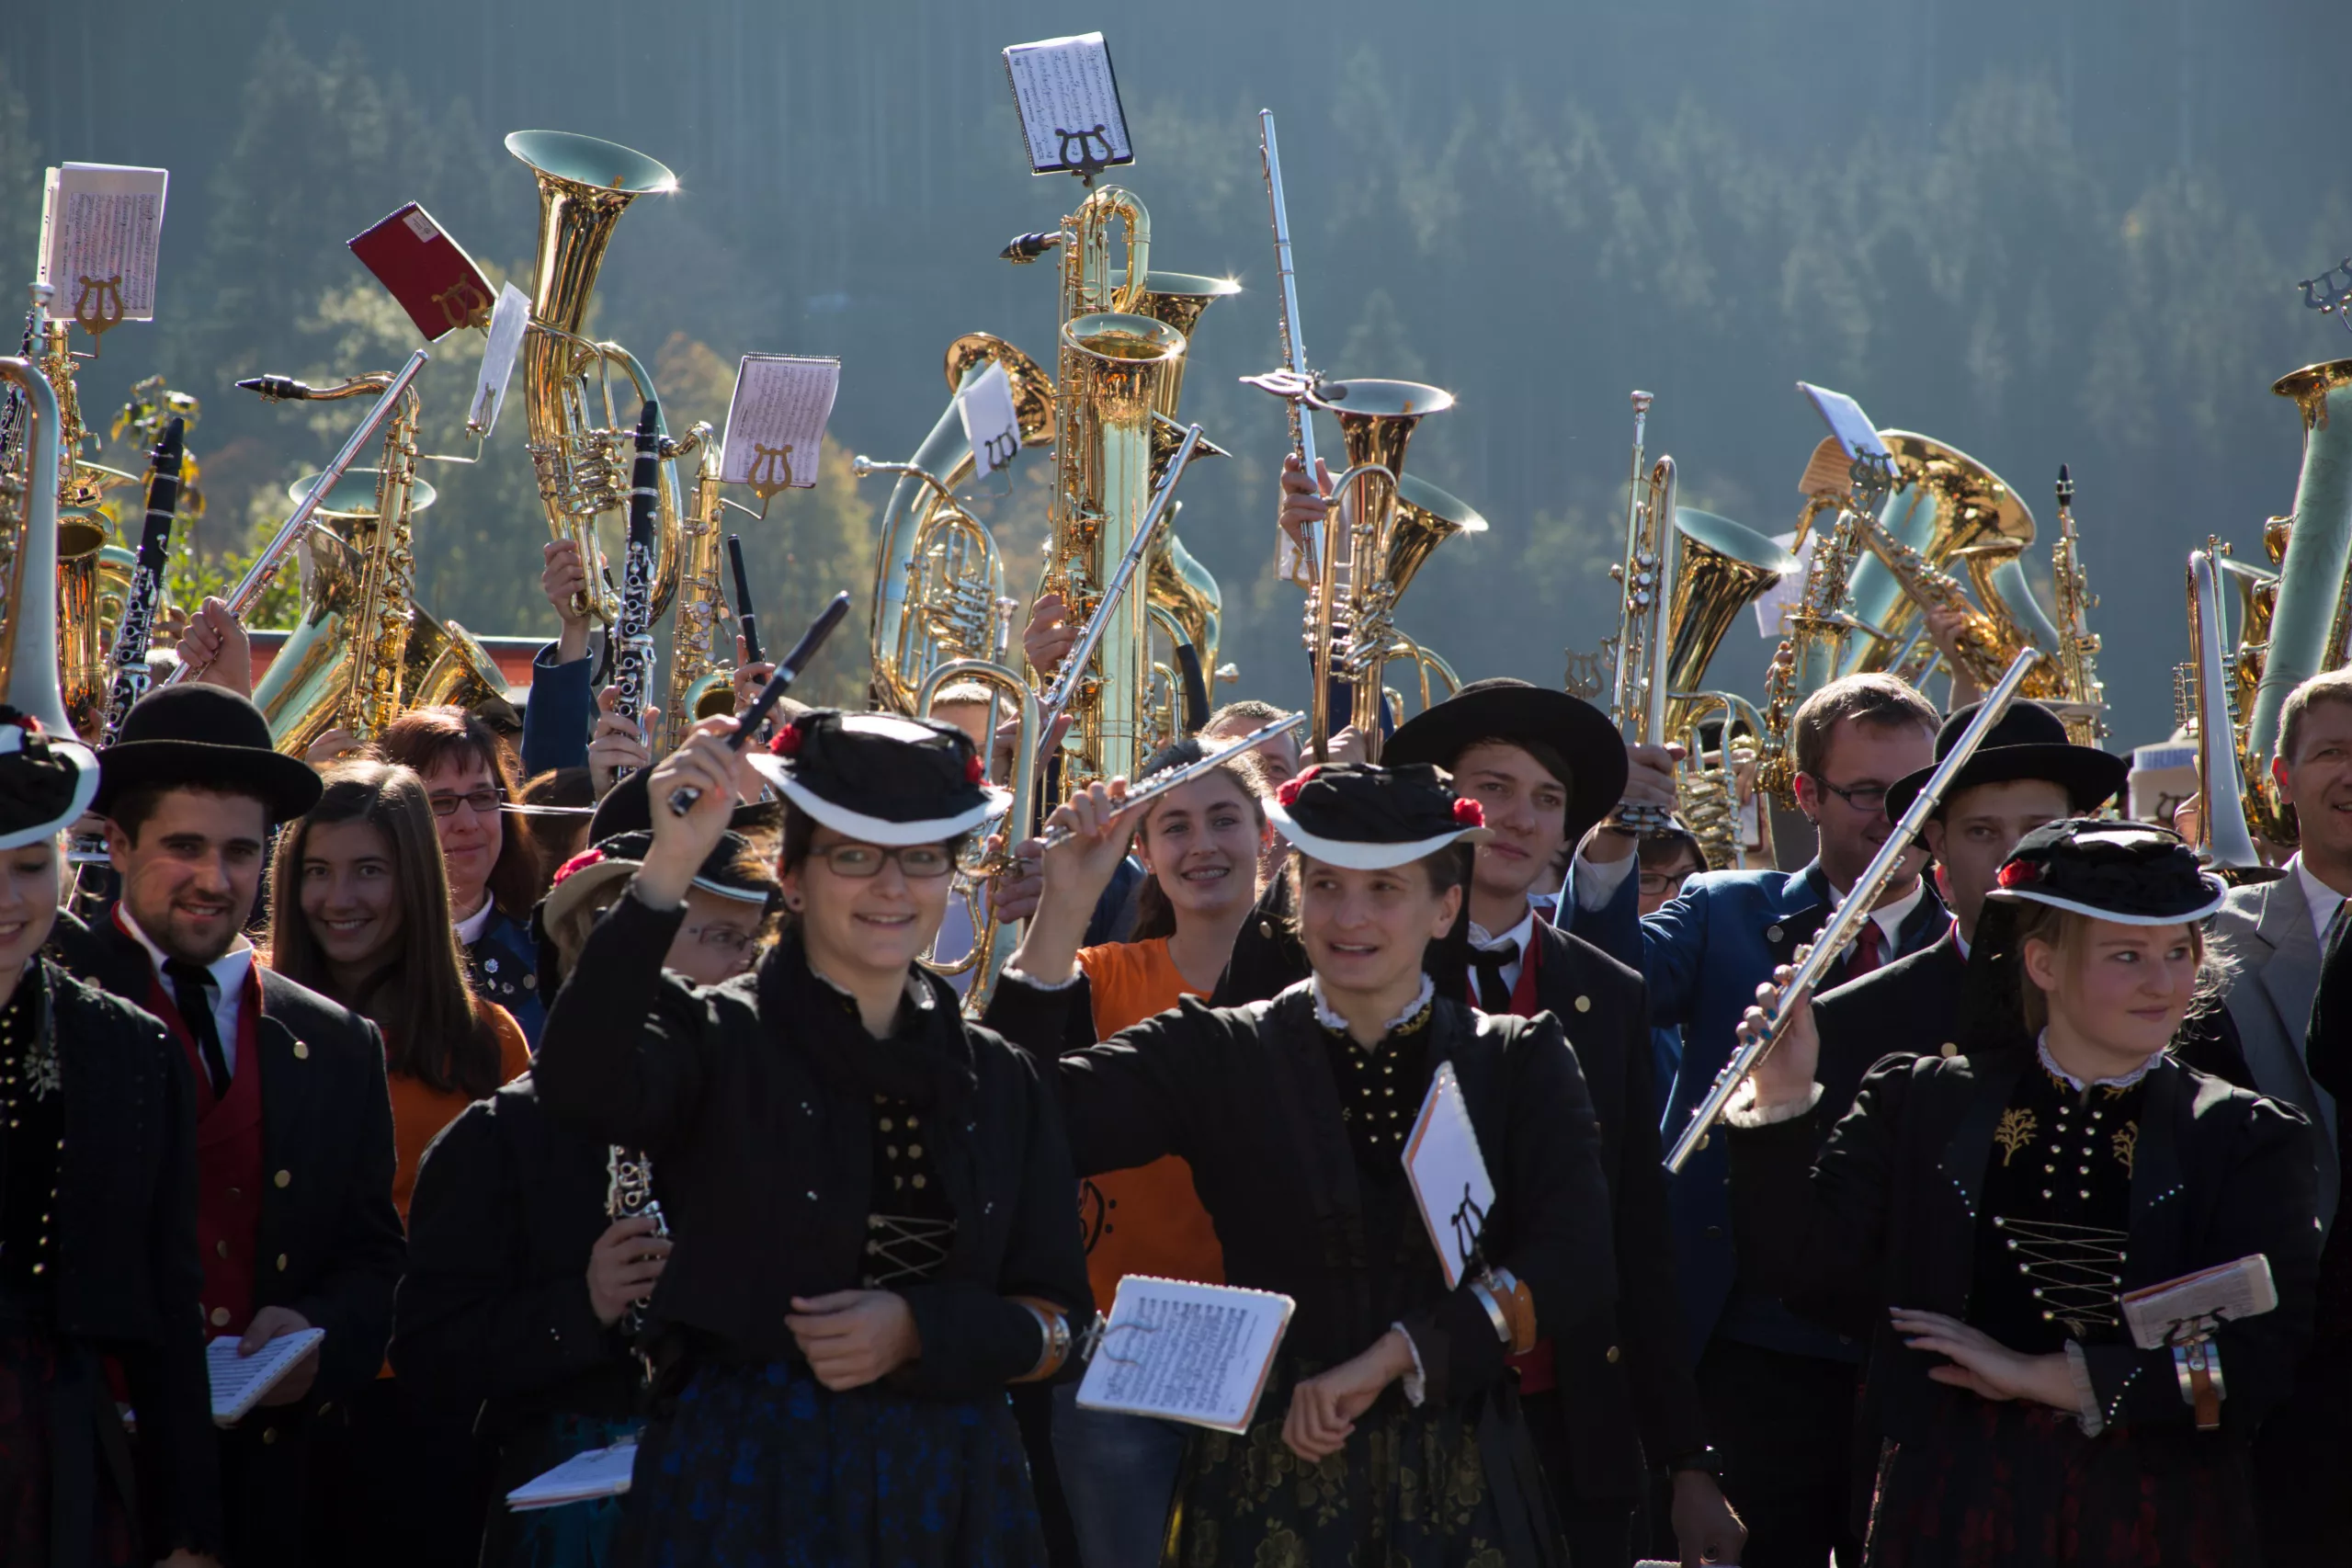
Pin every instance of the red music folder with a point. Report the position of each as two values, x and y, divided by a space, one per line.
430 273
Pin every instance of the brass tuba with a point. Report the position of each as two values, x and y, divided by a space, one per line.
939 579
29 641
1372 547
580 446
1952 512
1721 568
2224 842
2307 628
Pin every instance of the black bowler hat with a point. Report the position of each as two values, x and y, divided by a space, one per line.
1370 819
627 808
2125 871
209 738
1568 736
880 778
45 780
2028 742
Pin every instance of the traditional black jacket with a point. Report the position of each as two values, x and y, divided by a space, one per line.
1889 1217
1247 1098
493 1315
124 1275
1625 1380
763 1154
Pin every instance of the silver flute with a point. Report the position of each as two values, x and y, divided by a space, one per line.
1176 777
1813 961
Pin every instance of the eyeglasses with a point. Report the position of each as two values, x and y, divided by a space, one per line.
921 862
1656 882
484 801
726 939
1867 798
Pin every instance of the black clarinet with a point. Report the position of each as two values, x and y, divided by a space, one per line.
746 620
633 637
128 659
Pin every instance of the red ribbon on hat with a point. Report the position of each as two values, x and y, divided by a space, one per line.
2019 874
579 862
1469 813
1289 793
786 741
974 771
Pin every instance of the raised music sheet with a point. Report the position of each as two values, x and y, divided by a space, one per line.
507 321
990 422
100 227
1199 1354
1448 1173
776 421
1846 421
1068 99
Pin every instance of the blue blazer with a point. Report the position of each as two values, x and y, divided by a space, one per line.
1703 955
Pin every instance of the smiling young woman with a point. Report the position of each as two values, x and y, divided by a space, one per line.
1982 1214
1390 1430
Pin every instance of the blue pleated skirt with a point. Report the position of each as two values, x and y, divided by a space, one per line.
763 1467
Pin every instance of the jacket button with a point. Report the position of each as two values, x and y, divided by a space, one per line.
283 1178
281 1263
268 1435
301 1050
1714 1232
1584 1004
531 982
220 1317
220 1247
1772 933
1949 1048
1612 1355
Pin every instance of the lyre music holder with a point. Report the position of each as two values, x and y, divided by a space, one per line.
2322 294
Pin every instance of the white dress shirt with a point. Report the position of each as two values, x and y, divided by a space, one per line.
471 928
227 974
2324 899
1522 934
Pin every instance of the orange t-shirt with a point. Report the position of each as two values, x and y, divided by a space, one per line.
1147 1220
420 1111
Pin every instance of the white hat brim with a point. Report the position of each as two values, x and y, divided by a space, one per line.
867 829
2219 888
1359 856
86 789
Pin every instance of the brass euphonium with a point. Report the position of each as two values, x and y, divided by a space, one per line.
580 446
1982 645
1426 518
1183 594
939 579
1112 374
2308 618
28 632
1721 568
1372 547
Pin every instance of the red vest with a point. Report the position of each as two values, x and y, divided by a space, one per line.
228 1161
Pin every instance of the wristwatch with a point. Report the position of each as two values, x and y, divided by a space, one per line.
1707 1461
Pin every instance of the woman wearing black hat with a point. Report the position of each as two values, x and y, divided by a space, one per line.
1388 1433
1982 1215
97 1231
870 1198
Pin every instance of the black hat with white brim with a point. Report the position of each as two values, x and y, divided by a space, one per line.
1369 819
880 778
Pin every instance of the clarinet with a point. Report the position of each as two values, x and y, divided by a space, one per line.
628 1195
128 658
633 662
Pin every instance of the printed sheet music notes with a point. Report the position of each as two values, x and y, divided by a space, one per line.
1068 99
1199 1354
586 1476
240 1382
101 226
1448 1173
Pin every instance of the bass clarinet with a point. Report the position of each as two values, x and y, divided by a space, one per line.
1813 961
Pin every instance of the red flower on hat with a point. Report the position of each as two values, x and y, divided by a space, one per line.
2020 874
974 771
579 862
1469 813
786 741
1289 793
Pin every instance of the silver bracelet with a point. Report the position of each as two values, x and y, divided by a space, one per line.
1054 1330
2190 1358
1483 1288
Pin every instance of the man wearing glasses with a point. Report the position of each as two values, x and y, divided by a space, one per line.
1778 1390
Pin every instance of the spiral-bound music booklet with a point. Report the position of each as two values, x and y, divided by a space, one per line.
101 225
1068 98
586 1476
1199 1354
240 1382
776 421
1449 1175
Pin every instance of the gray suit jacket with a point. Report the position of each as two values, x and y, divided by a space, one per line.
2266 932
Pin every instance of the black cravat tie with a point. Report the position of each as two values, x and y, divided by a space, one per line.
192 992
1494 997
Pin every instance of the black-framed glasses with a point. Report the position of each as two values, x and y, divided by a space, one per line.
1656 882
919 863
726 939
1867 798
484 801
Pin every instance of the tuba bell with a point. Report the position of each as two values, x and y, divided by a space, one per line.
579 446
1183 594
2307 623
939 578
2224 841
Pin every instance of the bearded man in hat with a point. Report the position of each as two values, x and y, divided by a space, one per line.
294 1137
1546 766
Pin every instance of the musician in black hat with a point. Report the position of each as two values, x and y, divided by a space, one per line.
869 1197
1546 766
1390 1430
2025 774
1984 1216
293 1121
97 1230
